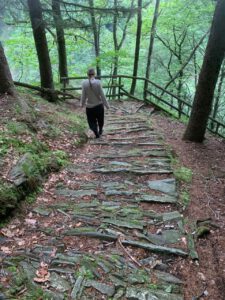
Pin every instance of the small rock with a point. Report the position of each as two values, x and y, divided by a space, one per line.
201 276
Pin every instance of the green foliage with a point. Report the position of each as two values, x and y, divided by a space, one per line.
85 273
176 17
8 197
185 198
36 293
183 174
31 197
17 128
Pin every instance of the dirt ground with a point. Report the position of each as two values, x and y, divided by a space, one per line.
207 202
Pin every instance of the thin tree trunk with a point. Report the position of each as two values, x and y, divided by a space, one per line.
151 44
137 46
35 11
115 41
96 37
118 45
61 45
187 61
6 82
217 99
214 56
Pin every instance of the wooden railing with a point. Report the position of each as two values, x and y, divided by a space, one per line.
116 87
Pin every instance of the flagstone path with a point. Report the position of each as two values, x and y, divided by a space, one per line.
113 229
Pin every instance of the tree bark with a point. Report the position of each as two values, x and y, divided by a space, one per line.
151 44
214 55
96 37
61 45
137 46
117 44
6 82
217 98
35 11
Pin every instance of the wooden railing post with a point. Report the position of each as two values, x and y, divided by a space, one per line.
145 90
64 83
119 90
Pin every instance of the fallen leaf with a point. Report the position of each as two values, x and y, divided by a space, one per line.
53 253
32 222
6 232
21 243
78 224
184 240
42 273
41 280
6 250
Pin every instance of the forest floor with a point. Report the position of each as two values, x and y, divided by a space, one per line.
207 202
47 243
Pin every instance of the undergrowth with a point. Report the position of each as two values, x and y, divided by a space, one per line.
34 134
183 176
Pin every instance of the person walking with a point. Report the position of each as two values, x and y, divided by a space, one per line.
94 100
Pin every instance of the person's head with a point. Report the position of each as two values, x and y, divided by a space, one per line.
91 72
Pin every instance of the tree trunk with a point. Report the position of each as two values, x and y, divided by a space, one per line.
115 41
217 99
151 44
96 37
137 46
63 72
35 11
6 82
214 55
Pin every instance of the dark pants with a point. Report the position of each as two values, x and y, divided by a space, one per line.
95 117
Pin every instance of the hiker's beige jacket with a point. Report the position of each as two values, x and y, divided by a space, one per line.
92 93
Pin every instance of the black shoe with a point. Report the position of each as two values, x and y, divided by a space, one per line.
97 136
100 132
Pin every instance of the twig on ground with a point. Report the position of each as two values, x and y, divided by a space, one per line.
119 240
64 213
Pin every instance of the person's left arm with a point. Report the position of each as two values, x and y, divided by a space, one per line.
83 96
102 95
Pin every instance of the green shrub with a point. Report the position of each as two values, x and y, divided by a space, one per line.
183 174
8 197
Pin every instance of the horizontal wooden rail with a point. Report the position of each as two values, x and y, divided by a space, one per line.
166 102
182 108
104 87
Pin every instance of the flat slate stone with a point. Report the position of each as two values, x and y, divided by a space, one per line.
119 294
75 193
171 216
148 294
103 288
165 238
42 211
134 170
59 283
127 224
76 169
138 152
119 192
17 174
156 198
167 277
167 186
77 288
